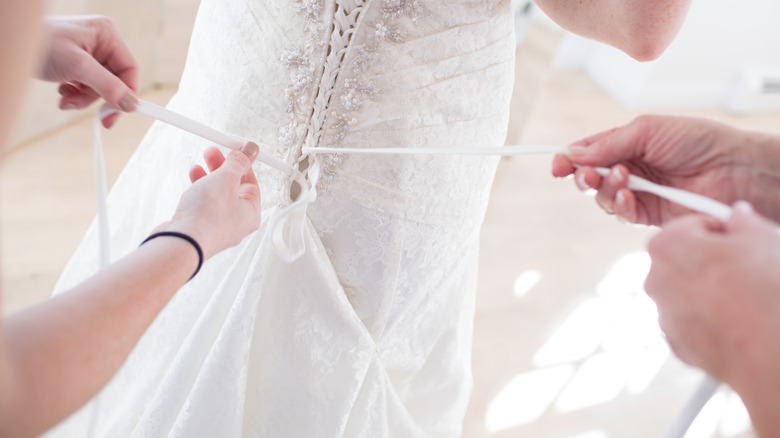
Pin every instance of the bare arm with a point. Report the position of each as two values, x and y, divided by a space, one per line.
19 24
17 48
56 356
65 350
641 28
59 354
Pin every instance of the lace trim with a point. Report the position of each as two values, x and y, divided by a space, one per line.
302 77
356 91
345 23
410 8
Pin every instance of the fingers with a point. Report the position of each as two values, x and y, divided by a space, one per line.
214 158
694 225
626 207
610 186
743 215
587 179
80 99
679 235
196 173
562 166
619 148
250 191
688 257
120 61
610 147
745 219
117 80
251 150
109 121
711 224
89 56
92 74
594 138
239 162
75 97
84 98
67 90
612 192
672 251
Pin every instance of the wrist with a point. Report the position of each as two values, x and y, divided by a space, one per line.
755 160
756 382
184 237
191 229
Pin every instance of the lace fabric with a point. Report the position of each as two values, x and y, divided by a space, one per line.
369 332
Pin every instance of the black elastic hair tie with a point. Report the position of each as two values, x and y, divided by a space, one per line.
181 236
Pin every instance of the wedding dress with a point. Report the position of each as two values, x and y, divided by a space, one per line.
368 332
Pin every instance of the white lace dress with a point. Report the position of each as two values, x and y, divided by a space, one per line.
368 334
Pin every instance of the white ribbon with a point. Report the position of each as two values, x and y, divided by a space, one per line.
101 187
501 150
287 226
695 202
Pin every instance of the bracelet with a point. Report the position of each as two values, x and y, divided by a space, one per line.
181 236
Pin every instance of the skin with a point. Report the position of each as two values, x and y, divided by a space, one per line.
55 356
696 155
19 40
716 285
90 60
641 28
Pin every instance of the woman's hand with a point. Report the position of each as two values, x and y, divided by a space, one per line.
717 288
700 156
222 208
89 58
718 294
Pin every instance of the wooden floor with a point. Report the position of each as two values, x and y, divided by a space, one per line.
565 343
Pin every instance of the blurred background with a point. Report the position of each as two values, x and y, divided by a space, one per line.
566 344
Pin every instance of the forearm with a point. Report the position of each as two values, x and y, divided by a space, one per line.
19 39
758 383
19 22
641 28
64 351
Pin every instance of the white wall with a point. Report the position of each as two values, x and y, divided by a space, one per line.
721 40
